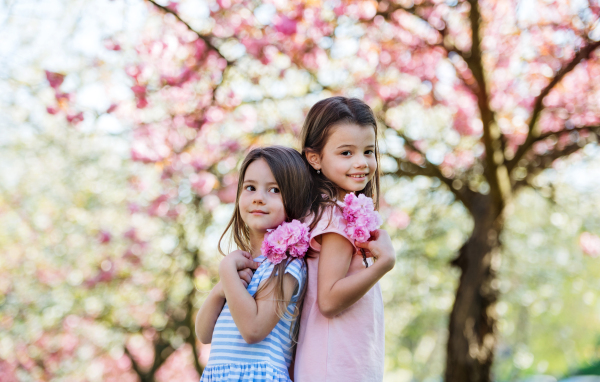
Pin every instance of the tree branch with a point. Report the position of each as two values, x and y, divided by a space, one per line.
533 132
391 8
406 168
134 364
497 176
546 160
204 38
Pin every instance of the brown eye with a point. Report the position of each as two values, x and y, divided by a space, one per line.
274 190
249 188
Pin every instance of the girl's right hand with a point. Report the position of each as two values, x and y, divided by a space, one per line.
245 277
239 260
381 248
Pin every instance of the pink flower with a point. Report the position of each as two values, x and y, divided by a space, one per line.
358 233
361 217
52 110
104 236
55 79
590 244
399 219
75 118
289 238
286 26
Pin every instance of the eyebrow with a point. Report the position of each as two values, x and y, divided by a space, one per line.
351 146
255 181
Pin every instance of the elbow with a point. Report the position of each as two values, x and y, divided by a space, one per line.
328 309
204 338
252 337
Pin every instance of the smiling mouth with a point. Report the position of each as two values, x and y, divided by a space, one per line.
358 176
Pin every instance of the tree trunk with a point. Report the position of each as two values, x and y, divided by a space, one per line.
472 329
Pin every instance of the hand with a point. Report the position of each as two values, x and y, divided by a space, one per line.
246 276
380 247
239 260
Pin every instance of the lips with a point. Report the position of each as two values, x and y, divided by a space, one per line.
258 212
357 176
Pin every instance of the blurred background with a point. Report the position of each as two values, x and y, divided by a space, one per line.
122 124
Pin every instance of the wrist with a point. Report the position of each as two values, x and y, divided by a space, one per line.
218 290
224 267
386 263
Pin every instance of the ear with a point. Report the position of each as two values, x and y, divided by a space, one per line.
313 159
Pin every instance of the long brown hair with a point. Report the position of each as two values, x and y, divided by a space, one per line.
295 184
322 118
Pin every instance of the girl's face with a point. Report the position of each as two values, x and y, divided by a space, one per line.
348 158
261 204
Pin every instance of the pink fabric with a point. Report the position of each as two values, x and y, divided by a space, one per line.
350 346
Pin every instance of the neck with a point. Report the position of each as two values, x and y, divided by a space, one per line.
341 194
256 239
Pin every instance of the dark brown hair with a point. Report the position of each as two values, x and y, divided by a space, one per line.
322 118
294 182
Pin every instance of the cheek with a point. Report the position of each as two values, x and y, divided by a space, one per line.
373 165
243 201
339 165
278 206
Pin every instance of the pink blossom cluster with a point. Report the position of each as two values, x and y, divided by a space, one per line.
361 216
289 238
590 244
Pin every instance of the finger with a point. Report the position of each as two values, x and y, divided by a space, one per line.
368 253
245 279
245 284
251 264
246 275
364 245
374 235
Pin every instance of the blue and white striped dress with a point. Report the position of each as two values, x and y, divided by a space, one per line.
232 359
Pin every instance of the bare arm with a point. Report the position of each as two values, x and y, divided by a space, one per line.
335 290
208 314
254 318
213 305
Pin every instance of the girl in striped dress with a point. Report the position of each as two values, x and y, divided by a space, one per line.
250 319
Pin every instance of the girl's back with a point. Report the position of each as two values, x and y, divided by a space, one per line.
349 346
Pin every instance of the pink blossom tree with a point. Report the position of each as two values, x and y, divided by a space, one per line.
482 95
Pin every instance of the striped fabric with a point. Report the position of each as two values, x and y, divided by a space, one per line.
232 359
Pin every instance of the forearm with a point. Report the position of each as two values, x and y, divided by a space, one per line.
242 306
208 314
348 290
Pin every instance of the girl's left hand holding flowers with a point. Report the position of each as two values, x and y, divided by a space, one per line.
379 246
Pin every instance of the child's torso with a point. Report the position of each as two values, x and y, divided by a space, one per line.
229 347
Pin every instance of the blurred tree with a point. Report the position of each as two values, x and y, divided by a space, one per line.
478 96
482 96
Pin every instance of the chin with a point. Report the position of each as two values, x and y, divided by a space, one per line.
355 187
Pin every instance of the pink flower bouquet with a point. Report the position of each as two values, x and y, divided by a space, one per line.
287 239
361 217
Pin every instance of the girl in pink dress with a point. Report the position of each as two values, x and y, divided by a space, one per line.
341 331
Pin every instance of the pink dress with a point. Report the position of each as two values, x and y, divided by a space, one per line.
350 346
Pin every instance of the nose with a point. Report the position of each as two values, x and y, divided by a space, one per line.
361 162
258 198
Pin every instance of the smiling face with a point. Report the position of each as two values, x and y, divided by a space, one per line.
348 158
261 205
